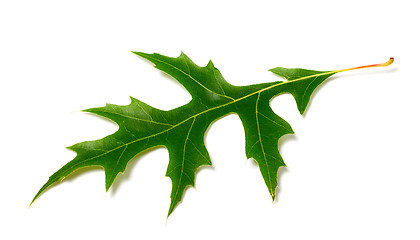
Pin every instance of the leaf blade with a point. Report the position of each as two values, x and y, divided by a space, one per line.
182 129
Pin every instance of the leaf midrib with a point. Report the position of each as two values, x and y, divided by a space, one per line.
205 111
71 169
183 161
261 143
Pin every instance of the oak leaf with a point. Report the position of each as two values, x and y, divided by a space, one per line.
182 130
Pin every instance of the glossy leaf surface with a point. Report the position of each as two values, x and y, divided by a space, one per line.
182 130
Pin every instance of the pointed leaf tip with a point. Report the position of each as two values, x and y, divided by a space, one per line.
170 211
141 54
210 63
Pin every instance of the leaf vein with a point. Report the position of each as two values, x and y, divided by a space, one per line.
192 78
273 121
135 118
183 160
262 147
118 161
141 107
197 149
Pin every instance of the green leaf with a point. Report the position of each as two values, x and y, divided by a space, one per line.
182 130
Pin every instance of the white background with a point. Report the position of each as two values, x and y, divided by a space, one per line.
353 164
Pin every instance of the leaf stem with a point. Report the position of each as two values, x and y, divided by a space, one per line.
387 63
